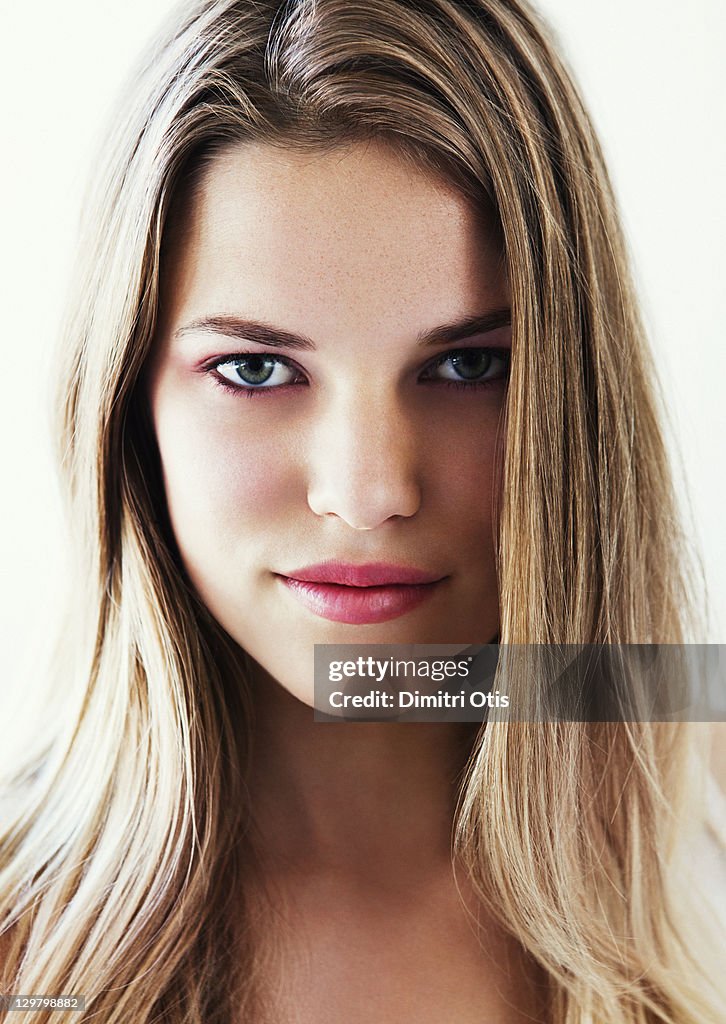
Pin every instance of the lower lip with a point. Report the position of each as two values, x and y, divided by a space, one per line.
359 605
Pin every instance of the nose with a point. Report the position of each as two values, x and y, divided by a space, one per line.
364 464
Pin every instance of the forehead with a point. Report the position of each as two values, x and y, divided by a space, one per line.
355 235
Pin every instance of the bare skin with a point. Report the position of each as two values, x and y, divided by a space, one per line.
354 830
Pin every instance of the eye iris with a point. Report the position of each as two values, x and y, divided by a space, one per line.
471 365
255 369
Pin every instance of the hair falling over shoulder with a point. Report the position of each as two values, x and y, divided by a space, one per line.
126 830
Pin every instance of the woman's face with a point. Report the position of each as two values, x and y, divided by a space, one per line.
327 388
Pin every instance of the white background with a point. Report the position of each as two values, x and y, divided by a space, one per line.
652 72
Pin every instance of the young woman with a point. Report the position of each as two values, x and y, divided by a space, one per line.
355 358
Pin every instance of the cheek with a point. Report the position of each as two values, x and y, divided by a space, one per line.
222 473
466 456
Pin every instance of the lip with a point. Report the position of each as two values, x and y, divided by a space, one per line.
360 594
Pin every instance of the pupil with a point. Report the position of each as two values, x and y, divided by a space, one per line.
255 369
471 364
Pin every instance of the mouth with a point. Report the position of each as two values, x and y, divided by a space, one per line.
361 594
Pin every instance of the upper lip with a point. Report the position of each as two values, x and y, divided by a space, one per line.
371 574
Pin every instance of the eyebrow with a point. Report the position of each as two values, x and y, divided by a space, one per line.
261 333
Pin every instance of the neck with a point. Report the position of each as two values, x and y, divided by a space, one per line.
371 799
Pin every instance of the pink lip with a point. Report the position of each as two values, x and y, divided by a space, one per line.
359 594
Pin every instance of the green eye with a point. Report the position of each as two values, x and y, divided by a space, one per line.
256 371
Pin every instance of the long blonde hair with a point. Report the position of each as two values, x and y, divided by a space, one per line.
125 838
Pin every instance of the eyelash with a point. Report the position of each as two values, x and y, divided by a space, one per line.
250 392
